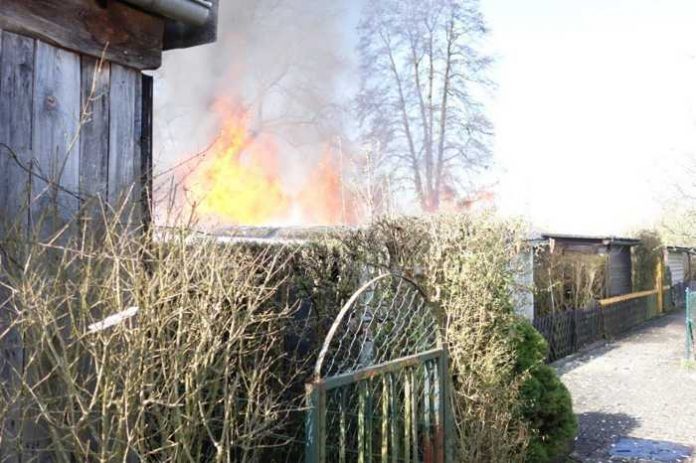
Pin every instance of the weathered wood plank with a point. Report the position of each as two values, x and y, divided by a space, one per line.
146 154
55 173
134 38
124 139
16 77
94 135
55 138
17 69
3 163
137 151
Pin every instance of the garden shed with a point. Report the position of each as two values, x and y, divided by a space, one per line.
678 261
574 271
75 106
618 277
76 123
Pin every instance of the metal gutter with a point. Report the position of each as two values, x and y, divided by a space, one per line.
193 12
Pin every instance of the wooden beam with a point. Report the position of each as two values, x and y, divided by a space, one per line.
625 297
124 34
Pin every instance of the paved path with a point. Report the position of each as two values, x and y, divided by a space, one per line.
633 387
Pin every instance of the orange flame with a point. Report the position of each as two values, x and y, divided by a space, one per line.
239 182
324 200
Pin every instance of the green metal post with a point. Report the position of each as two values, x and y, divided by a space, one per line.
408 409
364 423
343 430
438 428
393 398
446 409
428 450
369 421
385 421
361 423
315 426
414 414
689 325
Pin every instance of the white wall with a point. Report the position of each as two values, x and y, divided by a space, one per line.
523 296
675 262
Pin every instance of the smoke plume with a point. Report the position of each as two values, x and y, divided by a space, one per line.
285 64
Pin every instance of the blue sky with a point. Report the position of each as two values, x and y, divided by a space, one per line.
595 108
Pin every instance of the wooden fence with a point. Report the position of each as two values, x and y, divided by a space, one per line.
569 331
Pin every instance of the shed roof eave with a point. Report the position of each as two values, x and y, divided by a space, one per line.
193 12
686 249
593 239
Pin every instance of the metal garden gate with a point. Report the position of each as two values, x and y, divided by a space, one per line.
379 392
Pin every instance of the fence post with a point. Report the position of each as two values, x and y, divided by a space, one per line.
575 330
659 285
447 432
689 326
315 425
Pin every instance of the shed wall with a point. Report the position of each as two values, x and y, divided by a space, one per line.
619 271
70 130
675 262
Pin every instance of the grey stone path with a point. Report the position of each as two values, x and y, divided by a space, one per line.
635 387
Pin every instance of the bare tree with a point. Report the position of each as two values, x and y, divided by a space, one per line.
677 225
370 182
422 73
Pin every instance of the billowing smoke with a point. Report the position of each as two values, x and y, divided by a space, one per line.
285 64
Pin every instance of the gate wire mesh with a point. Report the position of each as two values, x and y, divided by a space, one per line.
379 389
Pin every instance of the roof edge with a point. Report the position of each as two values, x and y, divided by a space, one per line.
193 12
596 239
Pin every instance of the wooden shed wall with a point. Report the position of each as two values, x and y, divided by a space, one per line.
75 129
619 279
70 129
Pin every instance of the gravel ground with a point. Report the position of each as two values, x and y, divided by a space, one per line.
636 387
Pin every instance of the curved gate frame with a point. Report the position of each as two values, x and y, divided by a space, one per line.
425 370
